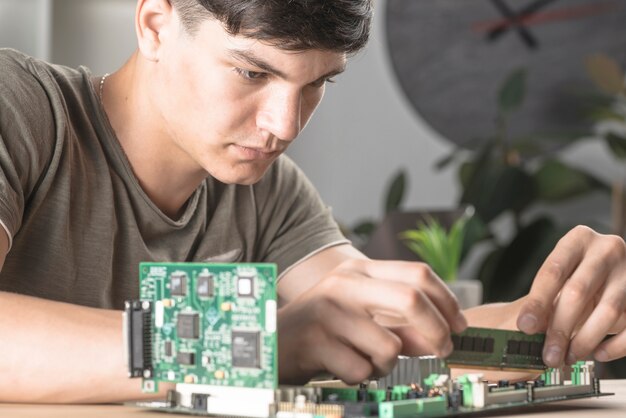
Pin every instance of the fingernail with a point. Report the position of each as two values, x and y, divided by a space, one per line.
553 355
602 355
527 323
571 358
447 349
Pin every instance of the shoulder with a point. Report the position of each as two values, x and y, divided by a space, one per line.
35 83
30 112
20 73
23 96
37 98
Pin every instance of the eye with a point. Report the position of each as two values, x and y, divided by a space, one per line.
320 83
250 75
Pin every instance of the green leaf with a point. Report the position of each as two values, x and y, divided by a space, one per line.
537 145
496 188
617 145
437 247
605 73
475 231
446 160
512 269
511 95
602 114
469 169
556 181
395 194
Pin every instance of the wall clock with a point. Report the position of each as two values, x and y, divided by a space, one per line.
450 56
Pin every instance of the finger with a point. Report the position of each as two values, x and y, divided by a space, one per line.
375 342
619 326
607 313
414 344
556 269
576 294
421 277
344 362
611 349
379 296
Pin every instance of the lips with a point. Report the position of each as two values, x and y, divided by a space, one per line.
252 153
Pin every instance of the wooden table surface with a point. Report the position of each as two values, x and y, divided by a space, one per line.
604 407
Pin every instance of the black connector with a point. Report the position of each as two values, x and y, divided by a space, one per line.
137 321
199 401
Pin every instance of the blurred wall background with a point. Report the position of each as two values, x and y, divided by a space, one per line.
363 133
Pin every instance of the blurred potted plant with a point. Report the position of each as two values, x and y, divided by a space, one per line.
511 179
514 179
442 249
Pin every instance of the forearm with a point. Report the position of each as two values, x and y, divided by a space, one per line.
495 315
57 352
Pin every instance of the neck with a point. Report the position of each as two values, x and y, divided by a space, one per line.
163 170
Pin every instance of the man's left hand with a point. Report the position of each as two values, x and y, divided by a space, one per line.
579 297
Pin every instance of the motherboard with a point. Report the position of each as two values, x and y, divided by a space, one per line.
210 329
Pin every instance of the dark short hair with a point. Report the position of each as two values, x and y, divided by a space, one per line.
333 25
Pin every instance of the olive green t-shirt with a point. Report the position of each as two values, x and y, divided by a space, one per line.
79 222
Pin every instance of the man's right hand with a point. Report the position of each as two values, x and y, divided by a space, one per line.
356 321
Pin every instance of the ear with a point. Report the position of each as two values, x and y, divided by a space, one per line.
152 18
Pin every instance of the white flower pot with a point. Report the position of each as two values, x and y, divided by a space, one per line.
468 292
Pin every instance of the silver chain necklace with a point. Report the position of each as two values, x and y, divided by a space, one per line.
104 77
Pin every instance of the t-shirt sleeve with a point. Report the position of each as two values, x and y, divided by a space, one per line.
27 132
294 223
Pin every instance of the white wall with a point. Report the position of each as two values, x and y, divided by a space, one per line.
96 33
24 25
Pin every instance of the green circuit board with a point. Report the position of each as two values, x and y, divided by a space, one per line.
212 324
497 349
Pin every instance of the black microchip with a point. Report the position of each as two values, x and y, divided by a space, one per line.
188 325
246 349
178 284
186 358
535 349
478 344
524 348
167 348
488 345
205 286
467 343
512 347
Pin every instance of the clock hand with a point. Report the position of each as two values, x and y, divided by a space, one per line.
517 18
513 19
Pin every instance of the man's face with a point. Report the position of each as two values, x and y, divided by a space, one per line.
232 105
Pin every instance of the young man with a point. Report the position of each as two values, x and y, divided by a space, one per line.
177 156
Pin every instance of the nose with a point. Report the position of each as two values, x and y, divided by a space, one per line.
280 115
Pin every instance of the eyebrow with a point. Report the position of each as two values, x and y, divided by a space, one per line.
252 59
